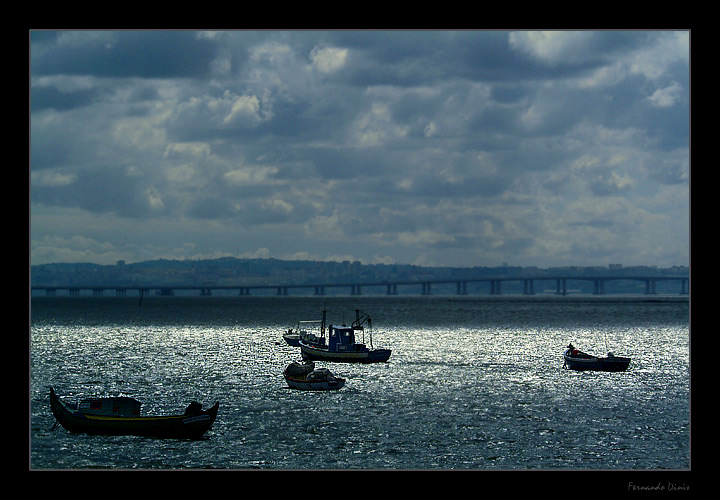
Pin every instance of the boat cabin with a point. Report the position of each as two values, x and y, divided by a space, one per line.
342 339
121 406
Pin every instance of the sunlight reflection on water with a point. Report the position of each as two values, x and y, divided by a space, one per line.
469 385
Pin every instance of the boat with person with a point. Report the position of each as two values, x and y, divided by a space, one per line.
302 330
341 344
581 361
121 416
305 376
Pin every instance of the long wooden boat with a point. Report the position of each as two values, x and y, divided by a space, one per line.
305 376
578 360
120 416
342 345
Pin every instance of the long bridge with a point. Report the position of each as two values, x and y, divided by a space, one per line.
495 286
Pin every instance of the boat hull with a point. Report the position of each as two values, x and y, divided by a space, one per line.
173 426
312 353
292 340
324 385
610 364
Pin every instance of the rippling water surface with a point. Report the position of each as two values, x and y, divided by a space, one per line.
473 383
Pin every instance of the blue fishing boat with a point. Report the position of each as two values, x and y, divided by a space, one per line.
341 345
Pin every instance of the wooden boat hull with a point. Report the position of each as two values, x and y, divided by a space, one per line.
313 353
292 340
305 377
609 364
173 426
324 385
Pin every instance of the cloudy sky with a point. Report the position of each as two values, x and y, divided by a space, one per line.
469 148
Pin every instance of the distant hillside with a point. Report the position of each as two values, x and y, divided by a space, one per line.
231 271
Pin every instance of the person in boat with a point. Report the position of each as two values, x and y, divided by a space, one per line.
572 350
193 409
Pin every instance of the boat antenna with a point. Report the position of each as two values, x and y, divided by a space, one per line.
605 337
370 331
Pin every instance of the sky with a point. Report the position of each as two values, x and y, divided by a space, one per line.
433 148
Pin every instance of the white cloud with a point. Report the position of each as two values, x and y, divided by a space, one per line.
260 253
244 108
187 149
667 96
250 175
376 127
155 201
553 47
271 52
229 110
328 59
50 178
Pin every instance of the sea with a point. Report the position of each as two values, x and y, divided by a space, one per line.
473 383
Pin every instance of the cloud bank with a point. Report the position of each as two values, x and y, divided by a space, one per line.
462 148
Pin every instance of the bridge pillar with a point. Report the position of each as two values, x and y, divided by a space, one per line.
495 288
650 287
599 287
391 290
355 290
561 287
684 286
97 292
319 290
244 291
205 291
282 290
461 288
120 292
426 289
529 287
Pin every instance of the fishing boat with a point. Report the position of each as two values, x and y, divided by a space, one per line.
305 376
121 416
293 335
578 360
342 345
292 338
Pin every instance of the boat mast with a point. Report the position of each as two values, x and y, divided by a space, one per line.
357 324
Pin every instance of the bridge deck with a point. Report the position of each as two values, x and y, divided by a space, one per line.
391 287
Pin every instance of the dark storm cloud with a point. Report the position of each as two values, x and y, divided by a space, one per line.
101 190
143 54
52 98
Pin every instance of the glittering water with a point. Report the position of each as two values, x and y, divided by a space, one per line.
473 383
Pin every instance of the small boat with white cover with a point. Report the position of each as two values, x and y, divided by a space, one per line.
305 376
